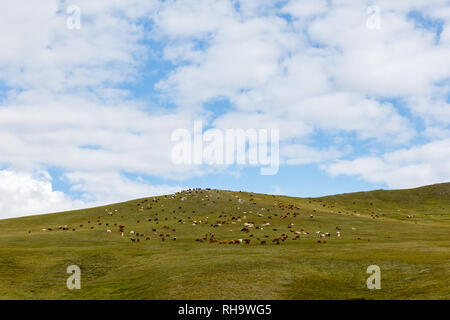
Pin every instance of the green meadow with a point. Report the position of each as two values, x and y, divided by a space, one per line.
404 232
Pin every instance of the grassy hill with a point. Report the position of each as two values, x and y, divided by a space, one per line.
405 232
425 204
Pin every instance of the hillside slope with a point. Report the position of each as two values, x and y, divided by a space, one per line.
364 229
424 204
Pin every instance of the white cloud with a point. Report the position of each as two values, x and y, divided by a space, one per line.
192 18
223 70
305 9
263 65
25 194
296 154
331 74
109 187
420 165
388 62
39 51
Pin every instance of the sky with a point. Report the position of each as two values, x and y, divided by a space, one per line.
91 93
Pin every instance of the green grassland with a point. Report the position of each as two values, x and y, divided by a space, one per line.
405 232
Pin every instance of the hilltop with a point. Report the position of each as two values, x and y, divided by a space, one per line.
325 246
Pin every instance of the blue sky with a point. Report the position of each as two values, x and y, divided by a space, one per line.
361 101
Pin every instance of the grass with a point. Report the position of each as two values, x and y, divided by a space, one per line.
405 232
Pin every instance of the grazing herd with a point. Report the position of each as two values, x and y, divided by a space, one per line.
243 217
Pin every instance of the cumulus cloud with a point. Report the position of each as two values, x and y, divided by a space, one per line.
79 134
26 194
421 165
40 52
324 70
107 187
305 10
267 65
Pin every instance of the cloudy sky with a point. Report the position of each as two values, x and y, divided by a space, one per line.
360 91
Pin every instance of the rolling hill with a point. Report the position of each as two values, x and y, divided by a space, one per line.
405 232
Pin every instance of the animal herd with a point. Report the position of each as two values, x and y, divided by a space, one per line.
250 221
